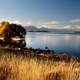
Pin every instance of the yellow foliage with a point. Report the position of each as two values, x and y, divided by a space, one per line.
3 26
19 68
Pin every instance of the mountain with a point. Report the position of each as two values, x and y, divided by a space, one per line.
34 29
43 29
31 28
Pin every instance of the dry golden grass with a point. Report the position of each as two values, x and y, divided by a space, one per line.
19 68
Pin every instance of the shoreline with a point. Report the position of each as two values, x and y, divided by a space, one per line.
38 53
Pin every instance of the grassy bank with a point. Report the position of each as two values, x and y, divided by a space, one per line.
22 68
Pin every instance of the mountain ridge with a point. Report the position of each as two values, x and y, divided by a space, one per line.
43 29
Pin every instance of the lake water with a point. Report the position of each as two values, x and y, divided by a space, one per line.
69 43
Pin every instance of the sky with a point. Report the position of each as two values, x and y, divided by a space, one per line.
46 13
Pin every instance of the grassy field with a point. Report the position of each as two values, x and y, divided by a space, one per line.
19 68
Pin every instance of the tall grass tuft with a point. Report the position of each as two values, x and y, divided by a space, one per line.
22 68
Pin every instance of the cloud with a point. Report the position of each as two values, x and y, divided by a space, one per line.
15 22
78 27
75 20
50 24
23 23
67 27
72 24
28 23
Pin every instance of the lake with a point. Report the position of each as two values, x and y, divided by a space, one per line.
68 43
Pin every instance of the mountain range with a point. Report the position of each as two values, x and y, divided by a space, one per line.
43 29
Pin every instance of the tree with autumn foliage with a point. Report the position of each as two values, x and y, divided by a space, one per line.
8 31
12 30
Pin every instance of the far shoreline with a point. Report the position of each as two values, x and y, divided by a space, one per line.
77 33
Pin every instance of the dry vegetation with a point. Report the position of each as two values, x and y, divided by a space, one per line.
19 68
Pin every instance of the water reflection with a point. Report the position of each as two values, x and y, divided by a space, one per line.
69 43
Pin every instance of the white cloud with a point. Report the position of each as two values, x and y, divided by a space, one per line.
23 23
50 24
67 27
44 26
15 22
78 27
28 23
75 20
72 24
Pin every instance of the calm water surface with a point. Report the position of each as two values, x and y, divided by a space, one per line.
69 43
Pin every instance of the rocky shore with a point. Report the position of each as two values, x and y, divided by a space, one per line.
38 53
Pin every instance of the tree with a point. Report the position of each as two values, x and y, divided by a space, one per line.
4 27
18 30
11 30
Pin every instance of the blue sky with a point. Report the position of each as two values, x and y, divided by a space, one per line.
40 11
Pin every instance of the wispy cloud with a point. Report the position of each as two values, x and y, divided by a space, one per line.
75 20
50 24
72 24
23 23
15 22
67 27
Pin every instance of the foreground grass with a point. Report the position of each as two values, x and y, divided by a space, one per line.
19 68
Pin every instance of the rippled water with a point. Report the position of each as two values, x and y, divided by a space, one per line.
69 43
